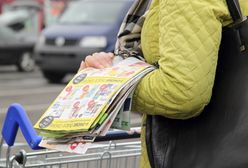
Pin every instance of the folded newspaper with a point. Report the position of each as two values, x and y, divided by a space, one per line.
92 102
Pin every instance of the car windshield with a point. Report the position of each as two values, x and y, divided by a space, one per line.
91 12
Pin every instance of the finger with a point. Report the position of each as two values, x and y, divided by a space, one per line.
105 59
86 61
111 54
82 66
111 57
99 60
108 58
102 58
92 61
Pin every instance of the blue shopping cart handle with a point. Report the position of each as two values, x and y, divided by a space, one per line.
16 117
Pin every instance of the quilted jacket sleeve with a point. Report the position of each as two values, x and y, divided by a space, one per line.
244 6
190 34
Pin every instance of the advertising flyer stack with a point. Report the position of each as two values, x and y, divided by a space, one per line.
94 101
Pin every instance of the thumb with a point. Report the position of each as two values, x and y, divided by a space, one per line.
82 66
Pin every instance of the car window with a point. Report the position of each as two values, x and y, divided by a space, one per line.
13 16
92 12
21 21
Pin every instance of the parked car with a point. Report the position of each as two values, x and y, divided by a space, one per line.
18 35
83 28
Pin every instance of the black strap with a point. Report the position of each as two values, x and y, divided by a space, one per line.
238 19
149 140
234 9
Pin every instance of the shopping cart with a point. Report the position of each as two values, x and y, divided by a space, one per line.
109 151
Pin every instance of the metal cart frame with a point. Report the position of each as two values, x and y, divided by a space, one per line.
102 155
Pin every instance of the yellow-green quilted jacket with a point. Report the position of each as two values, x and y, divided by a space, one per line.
183 36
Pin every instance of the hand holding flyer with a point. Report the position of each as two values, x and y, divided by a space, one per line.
90 102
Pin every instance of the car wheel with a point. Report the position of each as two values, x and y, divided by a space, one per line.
26 62
53 77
